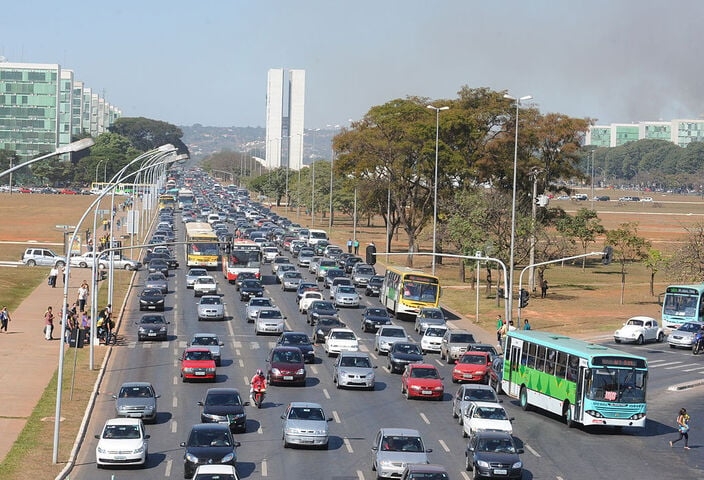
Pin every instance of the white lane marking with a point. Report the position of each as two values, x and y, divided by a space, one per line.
182 344
167 473
175 382
254 345
348 445
325 392
174 402
692 369
174 426
165 345
314 369
237 352
439 362
360 475
677 366
425 419
147 345
559 478
335 416
666 364
265 471
465 475
373 355
531 450
444 446
363 348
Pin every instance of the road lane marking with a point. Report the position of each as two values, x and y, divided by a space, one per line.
165 345
265 470
531 450
348 445
241 362
182 344
325 392
314 369
335 416
360 475
174 402
175 380
444 446
167 473
439 362
425 419
174 426
465 475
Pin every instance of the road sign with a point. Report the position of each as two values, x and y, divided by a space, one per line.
66 227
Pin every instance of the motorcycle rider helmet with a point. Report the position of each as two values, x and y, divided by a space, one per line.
259 372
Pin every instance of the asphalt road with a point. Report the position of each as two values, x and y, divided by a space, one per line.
552 451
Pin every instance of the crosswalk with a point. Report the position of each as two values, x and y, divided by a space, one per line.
679 365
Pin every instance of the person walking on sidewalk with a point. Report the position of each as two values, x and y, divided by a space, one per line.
4 318
356 247
53 273
83 296
682 428
349 245
49 323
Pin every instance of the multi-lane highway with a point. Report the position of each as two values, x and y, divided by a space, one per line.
552 451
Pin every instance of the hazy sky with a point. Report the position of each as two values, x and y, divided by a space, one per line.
206 62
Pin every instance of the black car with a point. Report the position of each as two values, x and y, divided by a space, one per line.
251 288
242 276
159 265
319 308
350 262
208 443
321 246
403 353
151 299
224 405
323 325
374 286
372 317
170 260
300 340
152 327
342 258
493 454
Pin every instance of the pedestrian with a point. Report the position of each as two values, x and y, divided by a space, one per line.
544 289
53 273
356 247
499 325
63 274
511 327
682 428
4 318
349 245
526 325
83 291
49 323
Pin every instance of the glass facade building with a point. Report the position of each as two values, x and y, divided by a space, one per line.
680 132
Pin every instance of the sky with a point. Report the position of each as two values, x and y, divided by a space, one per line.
206 62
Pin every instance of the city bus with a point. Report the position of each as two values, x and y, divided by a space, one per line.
582 382
185 198
405 291
167 200
682 303
244 256
202 247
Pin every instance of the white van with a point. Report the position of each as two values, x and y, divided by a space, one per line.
213 218
314 236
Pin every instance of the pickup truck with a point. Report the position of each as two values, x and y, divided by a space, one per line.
87 259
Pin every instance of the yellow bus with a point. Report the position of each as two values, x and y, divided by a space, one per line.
167 200
405 291
202 246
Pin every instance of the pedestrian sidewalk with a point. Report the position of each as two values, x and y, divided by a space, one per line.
28 360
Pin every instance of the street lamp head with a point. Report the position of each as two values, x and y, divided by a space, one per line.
520 99
76 146
167 148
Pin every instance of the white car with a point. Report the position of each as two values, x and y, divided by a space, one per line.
255 304
640 330
308 298
269 320
432 338
270 253
346 296
340 340
205 286
481 416
123 441
211 471
387 335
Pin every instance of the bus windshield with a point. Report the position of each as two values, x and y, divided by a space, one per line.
678 304
420 292
245 258
199 248
616 385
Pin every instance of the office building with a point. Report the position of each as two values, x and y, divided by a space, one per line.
285 114
681 132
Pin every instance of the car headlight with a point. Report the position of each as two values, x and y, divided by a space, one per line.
210 370
415 387
191 458
386 463
483 464
300 371
293 431
517 465
188 370
228 458
141 330
100 449
140 449
239 415
275 371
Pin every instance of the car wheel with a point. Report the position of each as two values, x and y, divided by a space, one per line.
639 341
31 263
617 340
286 444
661 337
467 463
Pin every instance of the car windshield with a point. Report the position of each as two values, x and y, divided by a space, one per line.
689 327
376 281
328 322
498 445
473 359
401 444
122 432
264 313
260 302
204 280
407 348
437 314
365 271
434 332
306 413
205 341
210 301
151 292
151 320
223 400
300 339
482 395
637 323
393 332
156 277
209 438
359 362
135 392
251 284
198 355
461 338
377 312
287 356
346 289
424 372
343 335
290 275
490 413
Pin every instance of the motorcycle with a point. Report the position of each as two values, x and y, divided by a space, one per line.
258 397
698 346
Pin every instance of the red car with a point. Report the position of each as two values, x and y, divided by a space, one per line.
68 191
422 380
286 366
472 366
197 364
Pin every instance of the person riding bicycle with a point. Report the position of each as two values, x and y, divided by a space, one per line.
258 383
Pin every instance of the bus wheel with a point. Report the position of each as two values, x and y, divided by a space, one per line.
568 416
523 399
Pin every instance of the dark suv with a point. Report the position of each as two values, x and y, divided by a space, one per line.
493 454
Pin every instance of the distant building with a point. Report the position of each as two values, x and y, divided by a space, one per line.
42 106
284 128
680 132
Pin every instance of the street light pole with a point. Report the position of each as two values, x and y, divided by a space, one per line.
332 161
435 181
96 169
513 207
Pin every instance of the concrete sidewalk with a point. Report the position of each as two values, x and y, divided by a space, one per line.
28 360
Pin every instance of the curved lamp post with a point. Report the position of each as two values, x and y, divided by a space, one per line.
70 148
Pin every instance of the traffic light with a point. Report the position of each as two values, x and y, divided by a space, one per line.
523 298
371 254
607 256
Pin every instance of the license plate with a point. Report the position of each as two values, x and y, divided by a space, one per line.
151 334
468 375
288 377
500 472
200 373
120 457
426 392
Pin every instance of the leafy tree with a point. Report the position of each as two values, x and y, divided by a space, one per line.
585 226
146 134
627 247
653 261
687 263
271 184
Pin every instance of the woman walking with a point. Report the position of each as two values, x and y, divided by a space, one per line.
682 428
49 324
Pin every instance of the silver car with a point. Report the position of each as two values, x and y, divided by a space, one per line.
394 448
387 335
304 424
683 337
353 369
454 343
210 341
211 307
346 296
291 280
269 320
255 304
193 274
429 316
206 285
361 273
157 280
136 400
468 393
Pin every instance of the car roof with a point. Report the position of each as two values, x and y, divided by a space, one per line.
124 421
643 318
197 349
426 468
489 405
217 469
403 432
305 405
204 334
135 384
354 354
217 390
210 426
421 365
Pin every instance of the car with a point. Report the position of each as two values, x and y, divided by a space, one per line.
152 327
194 273
197 363
493 455
496 373
422 380
340 340
224 405
374 317
640 330
394 448
285 366
454 343
269 254
305 424
210 341
483 416
165 256
313 263
346 296
42 257
211 307
318 308
483 347
468 393
602 198
300 340
291 280
304 257
159 265
304 287
361 274
432 339
255 304
425 472
123 441
683 337
321 246
215 472
373 288
350 262
158 281
277 262
307 299
205 286
388 334
354 369
88 259
322 268
208 444
429 316
242 276
251 288
136 400
331 274
336 283
401 354
269 320
284 269
323 325
472 366
151 299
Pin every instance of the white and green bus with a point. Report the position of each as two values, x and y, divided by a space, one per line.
582 382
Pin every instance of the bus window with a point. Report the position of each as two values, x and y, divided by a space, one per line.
540 358
561 366
572 368
550 361
531 355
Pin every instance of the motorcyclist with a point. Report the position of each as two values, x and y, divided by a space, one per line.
698 340
258 383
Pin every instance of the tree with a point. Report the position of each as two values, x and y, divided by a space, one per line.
687 263
584 226
627 247
653 261
146 134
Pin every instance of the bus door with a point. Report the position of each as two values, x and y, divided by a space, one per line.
583 381
514 382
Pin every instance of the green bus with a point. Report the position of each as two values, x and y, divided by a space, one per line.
582 382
